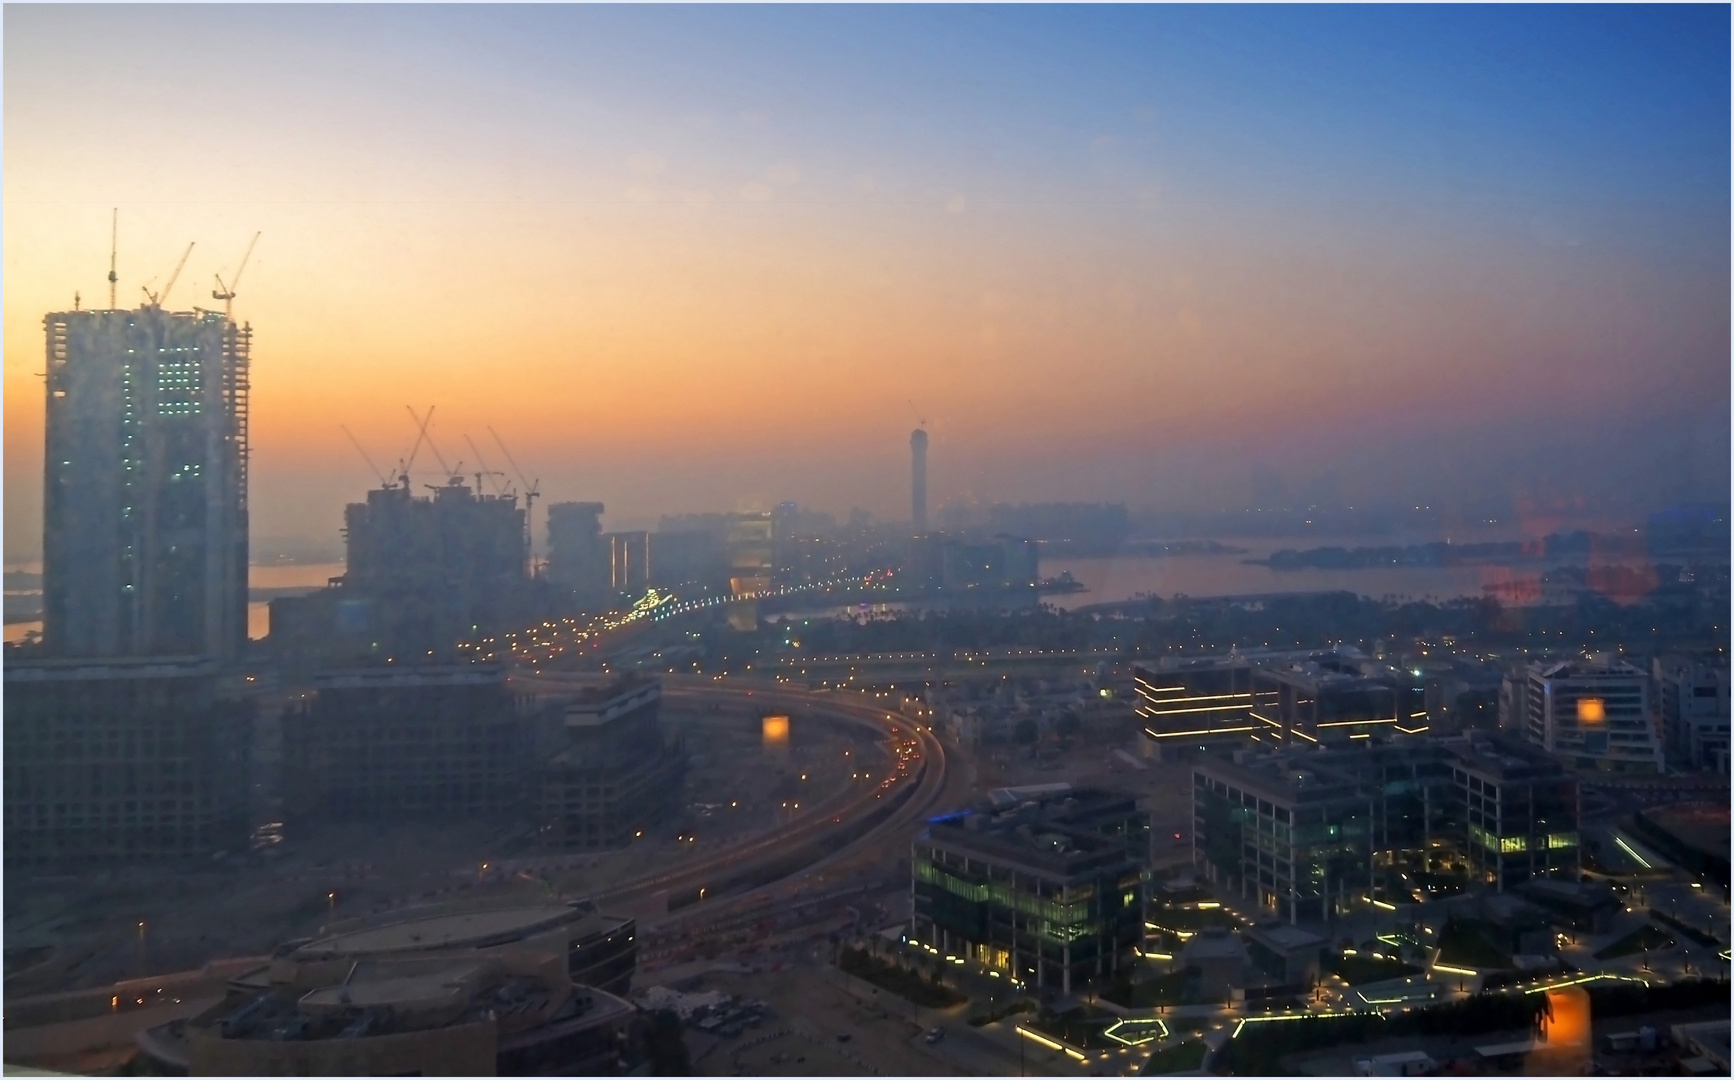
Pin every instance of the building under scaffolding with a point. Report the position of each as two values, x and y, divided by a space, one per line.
422 575
145 485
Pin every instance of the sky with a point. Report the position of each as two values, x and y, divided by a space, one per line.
687 258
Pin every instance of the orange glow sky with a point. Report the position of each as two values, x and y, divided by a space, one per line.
681 257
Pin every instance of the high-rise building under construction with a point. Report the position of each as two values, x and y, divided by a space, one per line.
145 492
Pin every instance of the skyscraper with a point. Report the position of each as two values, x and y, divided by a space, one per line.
145 492
918 478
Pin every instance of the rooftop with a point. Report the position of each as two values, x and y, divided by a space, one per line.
446 930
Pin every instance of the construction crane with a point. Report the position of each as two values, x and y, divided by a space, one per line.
499 489
920 421
113 246
383 482
405 464
452 475
226 293
531 491
157 299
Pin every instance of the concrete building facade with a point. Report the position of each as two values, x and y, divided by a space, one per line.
1594 715
431 741
607 770
123 759
145 484
578 555
1692 700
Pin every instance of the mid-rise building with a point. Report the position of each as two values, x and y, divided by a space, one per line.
1307 833
1693 703
145 486
628 561
1044 885
1520 815
436 570
578 556
587 770
607 769
123 759
1269 700
1195 700
1593 715
405 741
1323 701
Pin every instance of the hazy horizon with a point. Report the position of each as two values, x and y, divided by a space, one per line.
680 257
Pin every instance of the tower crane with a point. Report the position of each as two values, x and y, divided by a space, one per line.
452 477
383 482
226 293
531 491
157 299
405 464
483 469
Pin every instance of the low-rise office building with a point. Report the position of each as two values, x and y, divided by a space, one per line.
1194 701
1274 699
1309 833
1045 886
1520 814
1324 700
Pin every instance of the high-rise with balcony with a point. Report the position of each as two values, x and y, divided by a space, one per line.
145 492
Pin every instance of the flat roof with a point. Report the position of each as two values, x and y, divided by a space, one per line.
472 929
1700 825
396 985
1288 937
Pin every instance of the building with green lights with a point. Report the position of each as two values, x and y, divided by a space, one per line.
1520 815
1309 834
1044 886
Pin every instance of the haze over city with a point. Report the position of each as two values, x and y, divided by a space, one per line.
681 257
876 540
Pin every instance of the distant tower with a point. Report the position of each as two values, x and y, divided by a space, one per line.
918 478
145 502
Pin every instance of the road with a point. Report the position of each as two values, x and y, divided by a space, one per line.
773 865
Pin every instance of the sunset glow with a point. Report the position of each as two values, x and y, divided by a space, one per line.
682 256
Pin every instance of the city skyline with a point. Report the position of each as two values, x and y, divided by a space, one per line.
1140 255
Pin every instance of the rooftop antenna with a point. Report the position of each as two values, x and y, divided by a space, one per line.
357 444
113 236
226 293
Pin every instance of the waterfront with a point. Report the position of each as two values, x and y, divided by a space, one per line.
1108 579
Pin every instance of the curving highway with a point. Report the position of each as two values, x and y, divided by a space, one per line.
745 873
